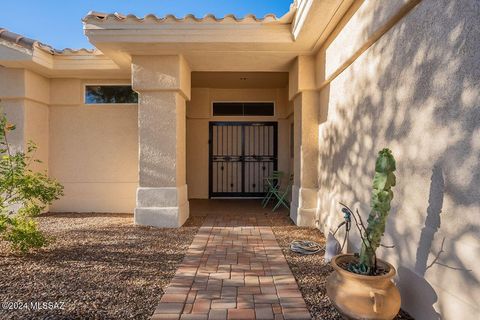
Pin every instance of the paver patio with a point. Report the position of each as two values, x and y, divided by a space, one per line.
234 269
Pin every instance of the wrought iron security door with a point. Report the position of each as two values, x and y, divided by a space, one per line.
242 155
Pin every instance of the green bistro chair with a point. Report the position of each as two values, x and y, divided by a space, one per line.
272 183
281 195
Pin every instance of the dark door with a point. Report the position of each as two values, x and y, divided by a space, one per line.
242 155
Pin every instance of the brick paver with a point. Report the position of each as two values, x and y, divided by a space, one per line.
234 269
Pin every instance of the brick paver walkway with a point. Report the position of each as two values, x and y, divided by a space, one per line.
234 269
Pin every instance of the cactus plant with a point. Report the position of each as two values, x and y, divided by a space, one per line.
382 195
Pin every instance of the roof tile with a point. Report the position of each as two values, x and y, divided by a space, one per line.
94 16
30 43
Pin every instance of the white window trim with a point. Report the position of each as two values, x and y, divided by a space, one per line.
235 101
84 92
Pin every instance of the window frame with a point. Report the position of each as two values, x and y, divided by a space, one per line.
85 85
241 101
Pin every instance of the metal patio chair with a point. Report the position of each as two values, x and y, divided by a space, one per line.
281 195
272 183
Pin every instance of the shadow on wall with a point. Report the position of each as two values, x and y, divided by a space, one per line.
423 295
433 221
416 91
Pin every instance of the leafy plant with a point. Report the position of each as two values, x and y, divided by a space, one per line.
24 193
382 196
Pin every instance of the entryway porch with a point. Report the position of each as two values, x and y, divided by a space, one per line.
189 149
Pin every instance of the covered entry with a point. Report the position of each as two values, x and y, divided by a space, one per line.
238 132
241 156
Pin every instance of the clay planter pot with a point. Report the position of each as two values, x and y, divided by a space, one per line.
363 297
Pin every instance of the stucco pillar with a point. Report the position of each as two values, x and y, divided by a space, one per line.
306 112
163 84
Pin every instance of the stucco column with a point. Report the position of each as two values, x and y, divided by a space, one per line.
306 112
163 84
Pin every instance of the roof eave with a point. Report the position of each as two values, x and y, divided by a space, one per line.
95 18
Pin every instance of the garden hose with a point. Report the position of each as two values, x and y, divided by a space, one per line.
310 247
305 247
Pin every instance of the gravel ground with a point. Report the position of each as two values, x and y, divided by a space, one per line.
310 271
99 266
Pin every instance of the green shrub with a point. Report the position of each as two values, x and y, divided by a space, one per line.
24 193
24 234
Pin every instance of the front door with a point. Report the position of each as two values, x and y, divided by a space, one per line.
242 155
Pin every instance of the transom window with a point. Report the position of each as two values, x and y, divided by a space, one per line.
243 109
110 94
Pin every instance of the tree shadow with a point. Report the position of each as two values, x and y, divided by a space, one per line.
432 222
423 295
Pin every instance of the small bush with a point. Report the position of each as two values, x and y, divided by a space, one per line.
24 234
24 194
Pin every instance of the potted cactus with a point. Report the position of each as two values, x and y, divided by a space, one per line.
361 286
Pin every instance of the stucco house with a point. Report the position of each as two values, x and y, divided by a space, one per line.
168 109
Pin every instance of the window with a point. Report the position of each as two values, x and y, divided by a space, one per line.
243 109
110 94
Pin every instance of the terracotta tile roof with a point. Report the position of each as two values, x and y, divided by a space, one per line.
94 16
29 43
190 18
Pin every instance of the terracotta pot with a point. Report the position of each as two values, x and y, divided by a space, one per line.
363 297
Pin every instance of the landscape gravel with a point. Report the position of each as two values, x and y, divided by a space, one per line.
98 266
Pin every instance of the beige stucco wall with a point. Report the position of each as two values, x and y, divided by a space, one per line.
37 91
199 114
11 83
25 97
36 130
93 150
415 90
